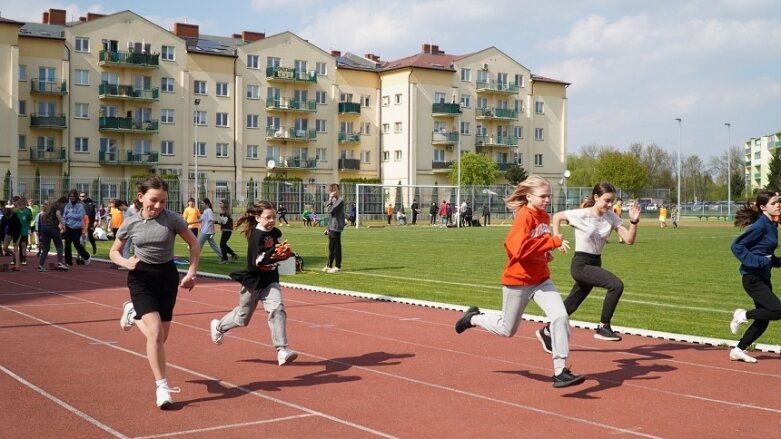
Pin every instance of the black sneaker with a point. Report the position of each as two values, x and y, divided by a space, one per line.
604 332
464 322
545 340
567 378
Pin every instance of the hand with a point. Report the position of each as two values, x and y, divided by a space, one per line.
634 211
188 281
131 262
564 246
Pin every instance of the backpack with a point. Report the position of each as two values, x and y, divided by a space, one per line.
299 262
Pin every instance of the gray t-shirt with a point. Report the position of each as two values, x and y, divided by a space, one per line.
153 239
591 232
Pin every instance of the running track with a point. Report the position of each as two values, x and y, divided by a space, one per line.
366 368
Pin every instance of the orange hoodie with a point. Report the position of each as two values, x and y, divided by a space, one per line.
527 245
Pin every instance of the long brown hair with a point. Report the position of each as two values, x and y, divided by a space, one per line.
153 182
600 189
751 212
248 217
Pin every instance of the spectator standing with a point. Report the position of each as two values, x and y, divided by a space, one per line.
415 207
117 215
486 215
663 216
432 211
335 208
226 230
74 226
92 214
389 212
352 215
443 213
192 216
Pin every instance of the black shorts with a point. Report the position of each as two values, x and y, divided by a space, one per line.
153 288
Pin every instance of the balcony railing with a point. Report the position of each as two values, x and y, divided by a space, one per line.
127 92
436 165
288 104
446 138
493 86
129 158
129 59
291 134
128 124
48 154
349 137
289 162
443 109
496 113
56 121
503 166
349 164
280 73
349 108
498 141
57 87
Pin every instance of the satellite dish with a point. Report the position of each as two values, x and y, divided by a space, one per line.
567 173
270 164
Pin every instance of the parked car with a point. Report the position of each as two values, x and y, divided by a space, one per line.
653 207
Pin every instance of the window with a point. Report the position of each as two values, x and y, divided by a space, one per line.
466 75
22 108
142 147
253 62
501 78
22 142
199 149
520 81
167 147
167 85
321 97
397 127
385 101
222 89
81 111
465 128
273 61
321 154
439 97
253 92
200 118
385 156
482 78
365 100
518 132
45 143
108 110
273 122
366 128
300 66
385 128
519 106
273 152
168 53
221 119
439 155
252 121
252 152
222 150
397 155
109 78
199 87
466 101
503 104
167 116
537 159
321 69
482 102
539 107
366 156
22 73
539 134
397 99
81 77
321 125
47 75
81 144
82 44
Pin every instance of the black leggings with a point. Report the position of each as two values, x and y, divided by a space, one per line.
588 273
768 307
334 249
224 247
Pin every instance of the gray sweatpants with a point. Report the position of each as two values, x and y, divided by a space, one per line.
514 302
248 302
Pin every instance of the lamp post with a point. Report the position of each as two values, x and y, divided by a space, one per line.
678 208
566 198
195 153
458 169
729 169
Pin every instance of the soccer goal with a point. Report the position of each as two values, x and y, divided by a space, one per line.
372 202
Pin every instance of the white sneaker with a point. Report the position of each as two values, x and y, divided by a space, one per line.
326 268
216 334
164 400
738 318
333 270
285 356
737 354
87 261
128 313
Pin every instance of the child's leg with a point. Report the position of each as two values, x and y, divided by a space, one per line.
242 314
277 317
515 299
550 301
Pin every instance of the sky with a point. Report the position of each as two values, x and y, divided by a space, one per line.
634 66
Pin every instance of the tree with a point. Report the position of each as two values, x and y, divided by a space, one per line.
774 173
658 162
476 170
515 174
583 165
622 170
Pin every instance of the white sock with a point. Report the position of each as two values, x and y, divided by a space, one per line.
558 370
161 382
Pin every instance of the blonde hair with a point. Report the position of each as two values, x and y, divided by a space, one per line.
518 198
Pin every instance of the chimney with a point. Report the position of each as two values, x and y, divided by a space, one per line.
236 36
92 16
435 50
373 57
186 30
426 48
252 36
336 53
45 19
54 16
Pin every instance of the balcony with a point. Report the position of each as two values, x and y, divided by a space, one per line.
503 166
287 162
291 105
290 134
441 109
127 93
48 154
350 108
349 138
55 87
131 60
127 125
496 141
441 166
54 121
289 74
129 158
444 138
349 164
496 114
493 86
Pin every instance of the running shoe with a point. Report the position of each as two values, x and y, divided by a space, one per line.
216 334
164 400
738 354
545 340
605 332
465 322
286 356
127 321
567 378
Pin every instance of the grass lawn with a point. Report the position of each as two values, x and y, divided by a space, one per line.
684 280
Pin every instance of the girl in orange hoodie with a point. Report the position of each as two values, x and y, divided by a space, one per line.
526 276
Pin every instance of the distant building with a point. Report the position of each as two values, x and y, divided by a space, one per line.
759 151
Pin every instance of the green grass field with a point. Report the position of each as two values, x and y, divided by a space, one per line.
683 281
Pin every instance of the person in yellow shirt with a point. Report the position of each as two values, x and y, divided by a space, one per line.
617 211
663 216
192 216
117 215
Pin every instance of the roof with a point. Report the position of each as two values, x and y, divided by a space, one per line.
7 21
539 78
54 31
213 45
356 62
423 60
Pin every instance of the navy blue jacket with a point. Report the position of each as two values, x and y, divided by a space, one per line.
755 246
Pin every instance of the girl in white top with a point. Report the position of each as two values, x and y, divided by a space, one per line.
207 228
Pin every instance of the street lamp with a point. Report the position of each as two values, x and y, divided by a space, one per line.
195 153
566 177
729 170
678 208
458 167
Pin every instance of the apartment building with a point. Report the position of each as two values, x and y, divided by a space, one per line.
112 96
759 152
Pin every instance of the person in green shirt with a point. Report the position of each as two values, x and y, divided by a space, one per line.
25 217
34 210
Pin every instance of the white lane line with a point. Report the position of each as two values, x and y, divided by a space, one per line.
62 404
225 427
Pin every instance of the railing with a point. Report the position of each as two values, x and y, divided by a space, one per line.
496 113
443 109
128 158
48 154
497 87
288 104
106 123
49 86
106 90
349 137
503 141
290 134
446 138
129 59
289 162
352 108
349 164
441 165
48 120
289 74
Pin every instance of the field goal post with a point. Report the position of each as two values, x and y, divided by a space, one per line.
372 199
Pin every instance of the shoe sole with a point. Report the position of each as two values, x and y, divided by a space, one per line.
602 337
125 318
211 331
167 405
542 342
561 384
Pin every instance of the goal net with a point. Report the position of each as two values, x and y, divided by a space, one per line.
372 202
